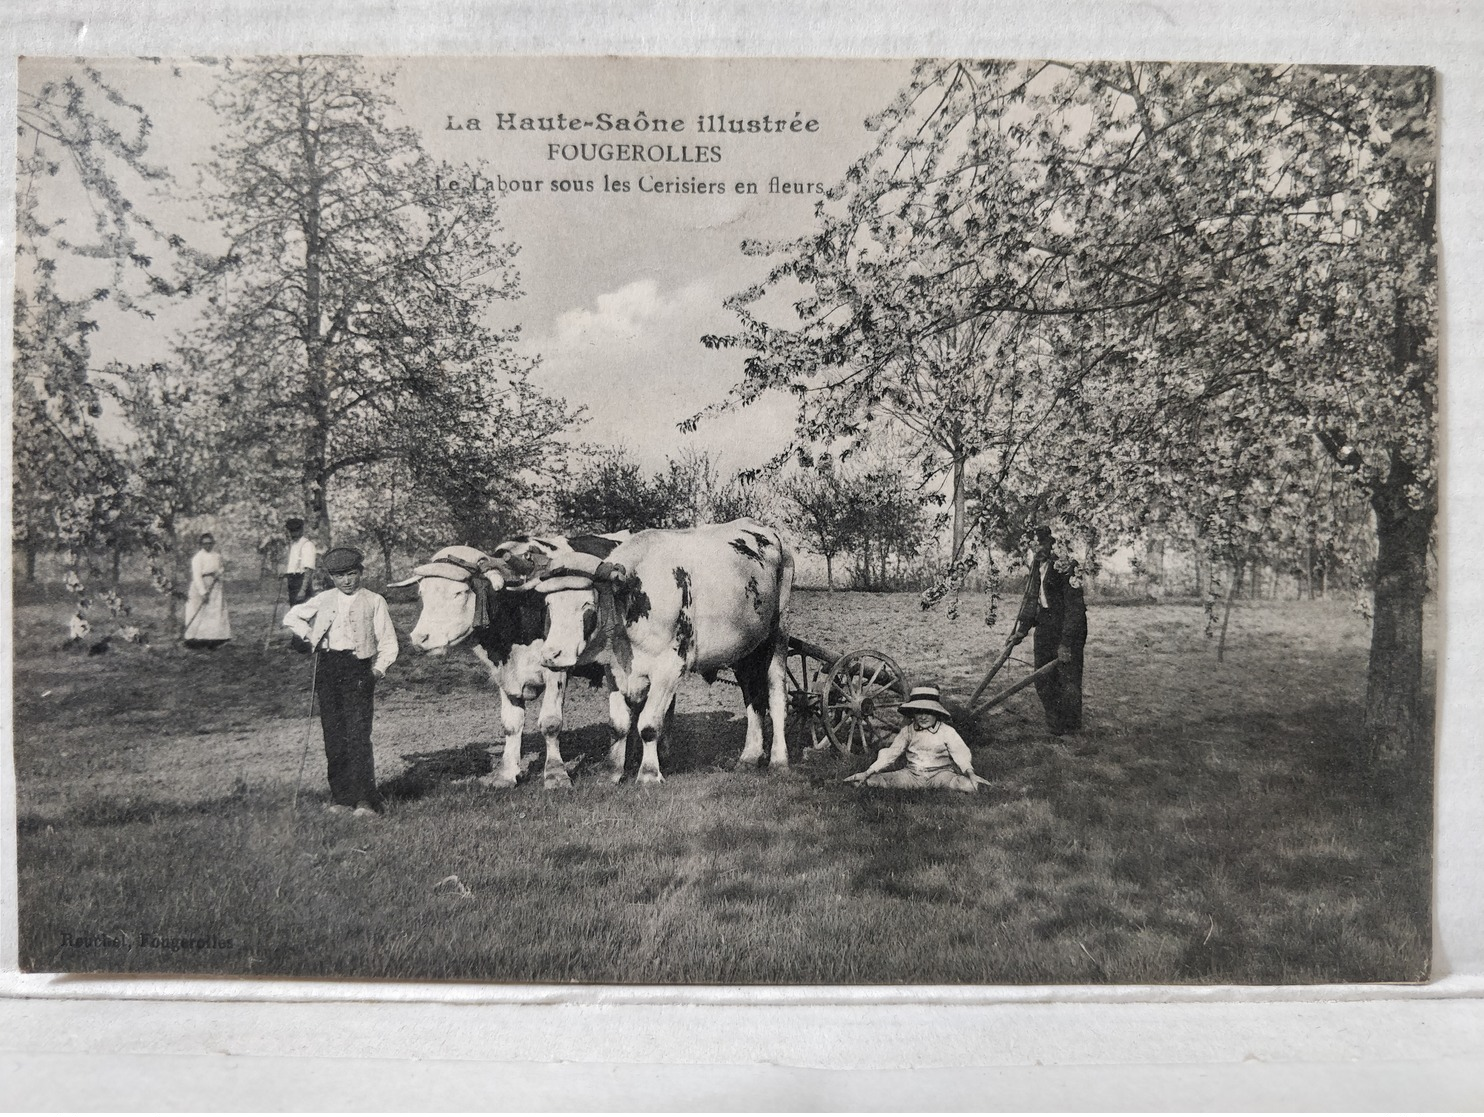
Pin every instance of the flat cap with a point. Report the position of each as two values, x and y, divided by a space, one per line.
342 560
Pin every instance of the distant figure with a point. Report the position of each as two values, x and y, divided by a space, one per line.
299 565
1054 607
936 755
350 630
207 624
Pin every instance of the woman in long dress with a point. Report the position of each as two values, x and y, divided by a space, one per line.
207 623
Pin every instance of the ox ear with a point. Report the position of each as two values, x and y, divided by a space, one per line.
496 579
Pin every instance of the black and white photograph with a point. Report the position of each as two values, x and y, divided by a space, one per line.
726 521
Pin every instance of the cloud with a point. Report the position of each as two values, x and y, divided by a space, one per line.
634 357
625 316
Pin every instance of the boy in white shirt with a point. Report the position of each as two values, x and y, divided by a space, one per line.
350 630
298 567
936 755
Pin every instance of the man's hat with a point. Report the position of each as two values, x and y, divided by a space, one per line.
1043 533
924 700
342 560
294 524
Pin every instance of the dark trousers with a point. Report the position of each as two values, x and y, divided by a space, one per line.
299 586
347 692
1061 690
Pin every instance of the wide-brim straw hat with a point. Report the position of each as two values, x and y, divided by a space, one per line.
925 700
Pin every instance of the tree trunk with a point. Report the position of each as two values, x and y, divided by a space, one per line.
30 562
316 478
386 561
958 508
1231 595
1202 572
118 563
829 573
180 575
1154 561
1394 715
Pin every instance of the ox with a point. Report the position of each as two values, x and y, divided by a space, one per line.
697 599
466 593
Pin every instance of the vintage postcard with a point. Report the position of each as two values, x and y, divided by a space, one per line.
783 521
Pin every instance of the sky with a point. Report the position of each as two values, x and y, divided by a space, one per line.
618 287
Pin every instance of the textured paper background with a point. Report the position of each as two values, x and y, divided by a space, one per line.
86 1043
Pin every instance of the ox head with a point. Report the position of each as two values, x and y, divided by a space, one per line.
571 586
454 588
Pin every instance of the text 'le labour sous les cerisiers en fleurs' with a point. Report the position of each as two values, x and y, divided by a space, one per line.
636 146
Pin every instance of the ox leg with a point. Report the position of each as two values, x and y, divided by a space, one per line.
555 774
653 720
621 718
777 704
513 718
752 677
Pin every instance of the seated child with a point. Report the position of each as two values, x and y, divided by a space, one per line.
936 754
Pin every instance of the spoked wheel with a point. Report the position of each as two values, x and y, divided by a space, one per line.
803 671
860 694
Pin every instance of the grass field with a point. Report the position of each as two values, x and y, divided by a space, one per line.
1206 827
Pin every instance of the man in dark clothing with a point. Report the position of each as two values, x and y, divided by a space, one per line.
1054 607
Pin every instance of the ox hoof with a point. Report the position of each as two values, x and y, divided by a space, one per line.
649 776
498 783
615 776
556 778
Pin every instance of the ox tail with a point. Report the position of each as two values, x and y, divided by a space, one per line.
785 589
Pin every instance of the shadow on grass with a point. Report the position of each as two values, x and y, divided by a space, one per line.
105 813
699 742
428 770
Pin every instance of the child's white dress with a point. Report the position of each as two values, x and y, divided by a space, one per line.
936 757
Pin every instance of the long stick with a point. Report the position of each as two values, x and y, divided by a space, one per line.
308 729
993 671
994 699
215 581
273 617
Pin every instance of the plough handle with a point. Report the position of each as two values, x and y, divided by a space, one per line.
993 671
994 699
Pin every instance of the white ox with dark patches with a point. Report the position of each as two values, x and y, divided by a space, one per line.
492 598
697 599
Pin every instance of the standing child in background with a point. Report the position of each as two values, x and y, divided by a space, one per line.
350 630
298 568
936 755
207 624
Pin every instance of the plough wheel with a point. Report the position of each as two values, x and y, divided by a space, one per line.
860 694
804 666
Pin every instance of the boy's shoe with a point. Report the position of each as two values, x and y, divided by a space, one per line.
337 808
365 810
